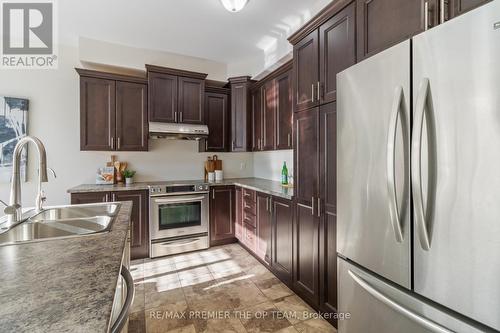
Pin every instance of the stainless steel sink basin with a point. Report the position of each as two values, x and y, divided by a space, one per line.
64 221
74 212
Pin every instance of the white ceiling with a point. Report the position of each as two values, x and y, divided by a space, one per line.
201 28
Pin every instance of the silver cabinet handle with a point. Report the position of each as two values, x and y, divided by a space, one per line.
428 324
312 92
213 194
426 15
112 142
121 320
312 206
319 91
181 115
416 164
443 10
175 116
319 207
391 182
232 145
118 143
289 139
206 144
267 204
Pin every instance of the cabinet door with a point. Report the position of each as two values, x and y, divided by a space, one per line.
97 114
162 94
216 115
269 115
337 50
282 239
306 248
221 215
240 117
257 119
284 111
264 227
89 197
131 116
238 227
328 206
139 222
191 96
383 23
305 62
458 7
307 156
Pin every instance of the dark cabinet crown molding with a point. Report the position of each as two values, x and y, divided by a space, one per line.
324 15
240 79
217 87
274 74
110 76
176 72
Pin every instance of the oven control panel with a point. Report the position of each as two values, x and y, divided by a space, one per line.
178 189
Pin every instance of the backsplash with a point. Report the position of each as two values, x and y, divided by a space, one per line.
268 164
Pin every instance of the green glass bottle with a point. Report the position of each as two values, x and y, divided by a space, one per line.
284 174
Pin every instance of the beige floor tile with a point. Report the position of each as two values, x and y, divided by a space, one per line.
289 329
273 288
264 317
295 309
137 322
223 325
215 301
194 276
166 318
315 326
246 296
186 329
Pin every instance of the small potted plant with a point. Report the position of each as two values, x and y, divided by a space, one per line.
129 176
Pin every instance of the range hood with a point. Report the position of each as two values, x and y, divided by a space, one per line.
176 131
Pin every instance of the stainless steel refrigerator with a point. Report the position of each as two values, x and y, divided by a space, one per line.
418 182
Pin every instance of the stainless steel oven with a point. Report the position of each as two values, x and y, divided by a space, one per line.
178 218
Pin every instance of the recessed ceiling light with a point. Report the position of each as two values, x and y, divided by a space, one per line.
234 5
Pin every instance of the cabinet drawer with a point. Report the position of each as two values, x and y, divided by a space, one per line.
249 206
249 238
249 195
249 218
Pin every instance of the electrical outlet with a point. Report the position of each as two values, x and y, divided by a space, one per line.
243 165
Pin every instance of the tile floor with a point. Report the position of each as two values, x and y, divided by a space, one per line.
222 289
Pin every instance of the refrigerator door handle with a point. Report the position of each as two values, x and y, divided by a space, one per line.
391 146
428 324
416 164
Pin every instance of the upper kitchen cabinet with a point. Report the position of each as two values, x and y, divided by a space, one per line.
454 8
272 110
322 48
113 112
176 96
217 119
241 120
383 23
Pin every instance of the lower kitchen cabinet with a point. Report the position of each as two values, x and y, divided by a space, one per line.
263 216
222 215
282 239
238 223
139 219
306 254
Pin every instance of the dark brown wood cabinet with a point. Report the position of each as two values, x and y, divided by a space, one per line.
113 112
241 104
337 50
139 219
176 96
222 215
269 115
328 208
131 116
284 110
383 23
282 239
238 223
458 7
191 100
217 119
257 102
305 67
263 232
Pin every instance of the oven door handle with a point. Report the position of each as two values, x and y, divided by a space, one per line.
165 200
181 242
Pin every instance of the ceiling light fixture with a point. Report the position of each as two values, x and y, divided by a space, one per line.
234 5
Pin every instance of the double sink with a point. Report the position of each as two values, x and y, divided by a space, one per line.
61 221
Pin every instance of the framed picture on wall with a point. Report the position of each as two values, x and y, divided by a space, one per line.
13 126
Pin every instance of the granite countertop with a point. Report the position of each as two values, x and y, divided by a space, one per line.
62 285
258 184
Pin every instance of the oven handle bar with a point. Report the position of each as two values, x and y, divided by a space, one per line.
191 199
181 242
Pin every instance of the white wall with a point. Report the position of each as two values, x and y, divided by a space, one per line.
268 164
54 118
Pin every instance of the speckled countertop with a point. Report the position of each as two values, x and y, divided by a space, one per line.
258 184
62 285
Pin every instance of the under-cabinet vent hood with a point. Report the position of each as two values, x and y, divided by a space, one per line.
176 131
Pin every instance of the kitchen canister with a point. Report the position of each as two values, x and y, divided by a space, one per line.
219 175
211 176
